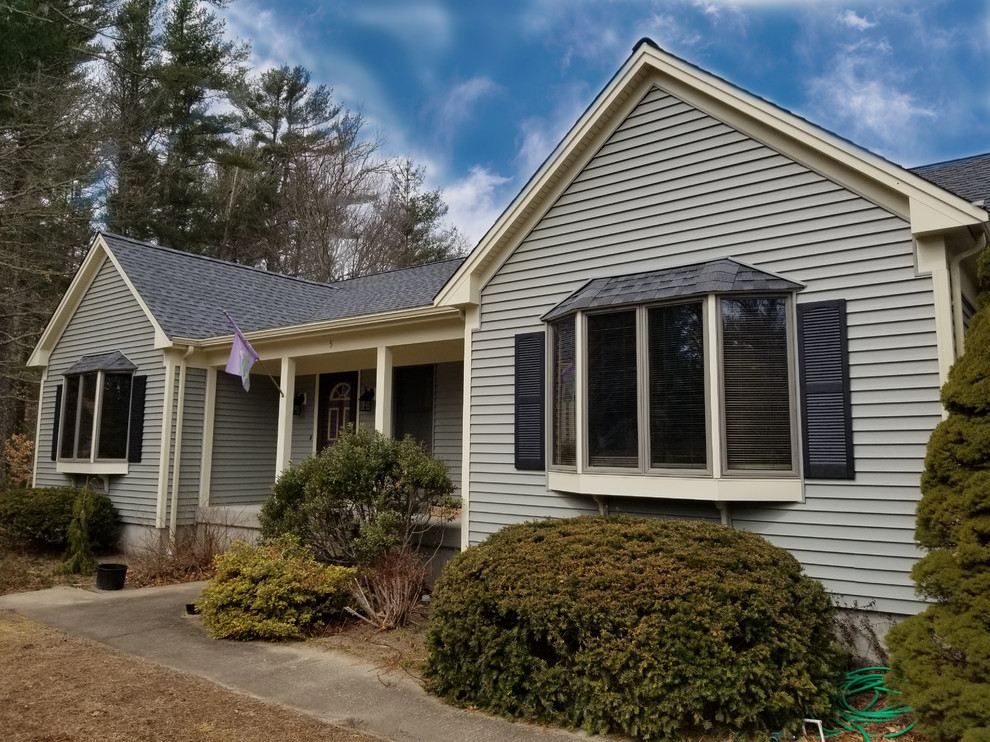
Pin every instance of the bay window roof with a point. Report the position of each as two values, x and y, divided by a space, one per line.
715 276
115 361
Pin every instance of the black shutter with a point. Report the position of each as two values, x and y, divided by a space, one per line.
57 419
530 409
135 432
826 415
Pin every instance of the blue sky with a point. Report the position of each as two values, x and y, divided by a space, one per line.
480 92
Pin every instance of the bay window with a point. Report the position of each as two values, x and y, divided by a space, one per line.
646 394
687 383
99 415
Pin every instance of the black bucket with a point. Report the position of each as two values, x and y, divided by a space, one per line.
110 576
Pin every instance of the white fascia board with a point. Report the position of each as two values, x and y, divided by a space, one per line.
69 303
926 206
418 323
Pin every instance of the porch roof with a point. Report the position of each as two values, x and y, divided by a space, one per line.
188 294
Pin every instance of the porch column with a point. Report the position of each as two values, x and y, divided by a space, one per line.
383 391
287 381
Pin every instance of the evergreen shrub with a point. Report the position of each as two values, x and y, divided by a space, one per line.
647 627
366 495
276 590
940 658
40 518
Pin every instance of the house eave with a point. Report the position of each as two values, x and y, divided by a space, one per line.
317 331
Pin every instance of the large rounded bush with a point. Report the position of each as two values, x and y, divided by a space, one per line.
642 626
40 517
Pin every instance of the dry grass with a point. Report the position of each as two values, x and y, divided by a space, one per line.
56 688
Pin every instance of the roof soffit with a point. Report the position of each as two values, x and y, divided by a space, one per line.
926 206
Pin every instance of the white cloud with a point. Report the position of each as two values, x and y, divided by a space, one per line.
861 97
849 18
539 136
457 105
475 201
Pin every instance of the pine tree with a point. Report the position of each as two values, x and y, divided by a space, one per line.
941 657
48 159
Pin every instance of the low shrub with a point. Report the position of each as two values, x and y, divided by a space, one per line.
40 518
366 495
647 627
275 590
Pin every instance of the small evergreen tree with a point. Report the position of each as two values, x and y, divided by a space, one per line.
941 657
79 557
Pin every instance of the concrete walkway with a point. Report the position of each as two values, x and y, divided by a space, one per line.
339 688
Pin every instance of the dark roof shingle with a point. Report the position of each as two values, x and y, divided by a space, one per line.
721 276
188 294
968 177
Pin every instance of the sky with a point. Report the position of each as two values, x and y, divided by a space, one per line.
479 92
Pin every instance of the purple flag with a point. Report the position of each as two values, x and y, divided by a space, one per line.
242 356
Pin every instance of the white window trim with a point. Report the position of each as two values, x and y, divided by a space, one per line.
715 483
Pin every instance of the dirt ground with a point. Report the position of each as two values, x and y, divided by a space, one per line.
56 688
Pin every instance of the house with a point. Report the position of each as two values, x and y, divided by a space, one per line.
700 306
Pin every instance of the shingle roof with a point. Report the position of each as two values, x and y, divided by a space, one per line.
115 361
719 276
188 294
968 177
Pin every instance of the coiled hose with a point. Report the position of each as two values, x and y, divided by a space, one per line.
851 719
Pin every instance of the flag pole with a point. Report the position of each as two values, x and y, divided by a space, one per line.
259 361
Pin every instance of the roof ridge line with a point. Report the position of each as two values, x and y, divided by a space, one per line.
220 261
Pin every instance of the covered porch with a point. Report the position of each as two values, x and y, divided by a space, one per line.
400 376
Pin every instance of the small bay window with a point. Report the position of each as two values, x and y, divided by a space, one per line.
99 416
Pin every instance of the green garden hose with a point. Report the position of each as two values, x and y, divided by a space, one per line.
851 719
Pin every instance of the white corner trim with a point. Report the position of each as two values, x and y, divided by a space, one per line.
209 418
37 427
471 323
165 443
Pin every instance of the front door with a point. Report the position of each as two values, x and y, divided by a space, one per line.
338 406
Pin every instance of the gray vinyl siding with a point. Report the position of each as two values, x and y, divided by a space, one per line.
109 318
448 418
673 186
302 425
192 445
245 430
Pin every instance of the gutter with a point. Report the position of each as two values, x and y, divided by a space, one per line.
348 324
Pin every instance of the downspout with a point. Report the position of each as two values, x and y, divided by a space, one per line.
177 453
725 512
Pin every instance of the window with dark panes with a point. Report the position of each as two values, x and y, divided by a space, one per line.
756 384
564 394
96 407
678 415
613 426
